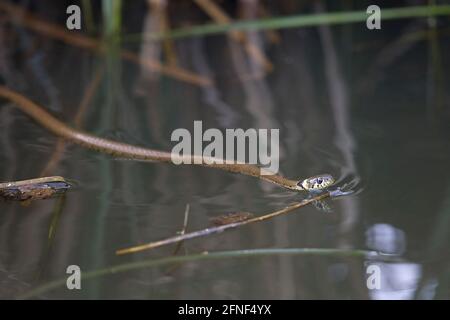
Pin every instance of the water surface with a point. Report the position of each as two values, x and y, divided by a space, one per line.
374 117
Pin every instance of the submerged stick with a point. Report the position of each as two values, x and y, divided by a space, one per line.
220 229
183 230
33 189
85 101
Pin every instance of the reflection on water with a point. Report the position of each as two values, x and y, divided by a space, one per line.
400 282
374 134
385 238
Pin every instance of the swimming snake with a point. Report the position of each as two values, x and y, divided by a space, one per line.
124 150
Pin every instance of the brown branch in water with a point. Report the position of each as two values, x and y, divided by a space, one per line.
89 95
77 39
222 228
55 158
220 17
84 104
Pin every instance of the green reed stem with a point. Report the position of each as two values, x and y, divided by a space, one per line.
209 256
297 21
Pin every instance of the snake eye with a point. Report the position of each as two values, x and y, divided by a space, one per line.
319 181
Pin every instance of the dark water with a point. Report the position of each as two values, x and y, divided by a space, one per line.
370 107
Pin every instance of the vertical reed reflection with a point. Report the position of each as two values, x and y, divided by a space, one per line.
344 140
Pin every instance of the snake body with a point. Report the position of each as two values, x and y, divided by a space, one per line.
124 150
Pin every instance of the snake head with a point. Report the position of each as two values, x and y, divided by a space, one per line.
316 183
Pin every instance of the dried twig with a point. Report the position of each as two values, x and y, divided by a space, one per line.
219 229
183 230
